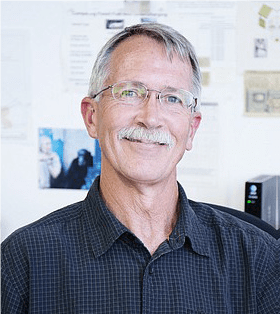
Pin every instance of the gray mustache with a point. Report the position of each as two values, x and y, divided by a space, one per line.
149 135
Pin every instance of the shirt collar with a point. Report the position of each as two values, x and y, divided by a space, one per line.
103 228
191 227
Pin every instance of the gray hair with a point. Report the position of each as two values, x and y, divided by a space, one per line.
173 42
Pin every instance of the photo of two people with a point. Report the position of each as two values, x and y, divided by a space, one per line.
67 159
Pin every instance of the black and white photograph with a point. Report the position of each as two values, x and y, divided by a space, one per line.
260 48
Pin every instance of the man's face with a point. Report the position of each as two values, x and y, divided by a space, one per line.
143 59
46 145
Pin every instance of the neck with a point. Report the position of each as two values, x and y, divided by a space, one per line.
147 210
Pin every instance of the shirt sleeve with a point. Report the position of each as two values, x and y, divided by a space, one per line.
268 285
14 280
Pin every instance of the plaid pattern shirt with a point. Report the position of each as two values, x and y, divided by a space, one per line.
81 259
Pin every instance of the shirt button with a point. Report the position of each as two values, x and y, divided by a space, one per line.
151 270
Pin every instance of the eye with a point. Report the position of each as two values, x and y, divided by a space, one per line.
128 94
172 99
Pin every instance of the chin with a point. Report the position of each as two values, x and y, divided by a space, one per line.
147 176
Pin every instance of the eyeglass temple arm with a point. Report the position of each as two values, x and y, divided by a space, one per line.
195 103
102 90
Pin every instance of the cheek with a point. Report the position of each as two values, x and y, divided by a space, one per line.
117 114
112 118
181 130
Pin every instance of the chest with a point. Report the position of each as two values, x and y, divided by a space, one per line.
126 279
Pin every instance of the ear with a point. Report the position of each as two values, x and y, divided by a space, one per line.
194 124
88 109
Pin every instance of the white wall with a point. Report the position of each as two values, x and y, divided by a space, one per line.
245 146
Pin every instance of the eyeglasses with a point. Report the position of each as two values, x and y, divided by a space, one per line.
134 93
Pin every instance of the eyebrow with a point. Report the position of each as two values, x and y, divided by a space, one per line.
171 88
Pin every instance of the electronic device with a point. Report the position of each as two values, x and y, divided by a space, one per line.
262 198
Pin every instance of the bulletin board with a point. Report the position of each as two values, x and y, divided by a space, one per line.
46 63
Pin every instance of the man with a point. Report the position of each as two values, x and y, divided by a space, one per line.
136 244
49 163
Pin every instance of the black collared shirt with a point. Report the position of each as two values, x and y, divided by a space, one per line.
81 259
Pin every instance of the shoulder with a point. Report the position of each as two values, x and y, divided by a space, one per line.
44 229
233 222
234 241
243 250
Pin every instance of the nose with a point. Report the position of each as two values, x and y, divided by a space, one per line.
150 113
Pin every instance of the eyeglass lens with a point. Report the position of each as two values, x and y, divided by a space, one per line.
134 93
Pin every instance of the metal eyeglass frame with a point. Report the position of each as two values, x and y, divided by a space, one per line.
192 105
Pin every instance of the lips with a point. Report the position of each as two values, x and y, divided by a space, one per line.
143 141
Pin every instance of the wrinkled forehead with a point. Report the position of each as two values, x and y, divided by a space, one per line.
134 43
138 53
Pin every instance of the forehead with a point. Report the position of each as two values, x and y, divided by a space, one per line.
142 58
